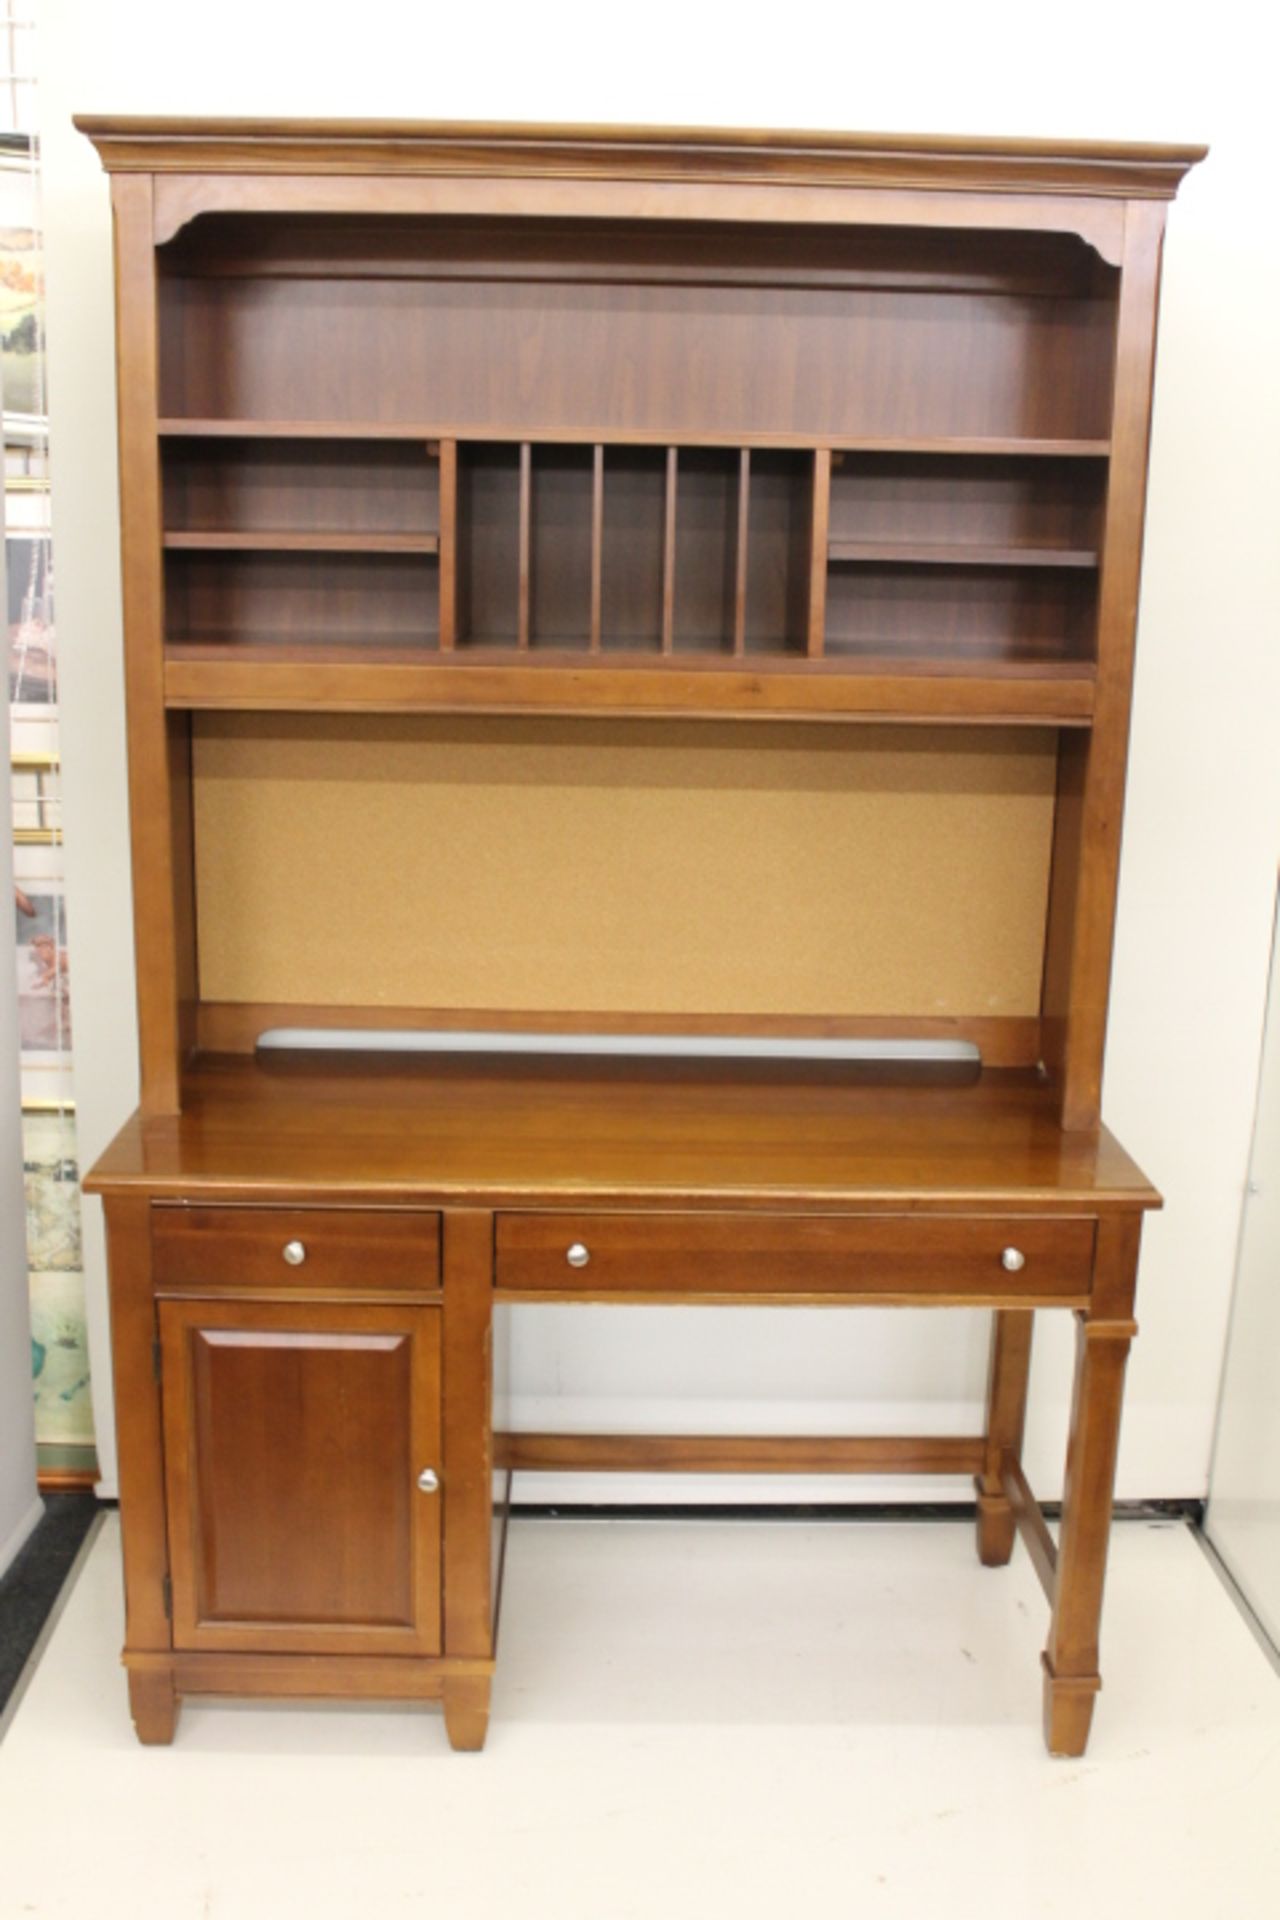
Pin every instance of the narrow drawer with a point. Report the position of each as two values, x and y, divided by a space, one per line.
304 1248
881 1256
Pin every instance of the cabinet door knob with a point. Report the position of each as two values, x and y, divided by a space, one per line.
577 1255
294 1253
1013 1260
428 1481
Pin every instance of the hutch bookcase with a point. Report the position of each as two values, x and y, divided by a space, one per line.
675 585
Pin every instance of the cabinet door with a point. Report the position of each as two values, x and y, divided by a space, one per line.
295 1435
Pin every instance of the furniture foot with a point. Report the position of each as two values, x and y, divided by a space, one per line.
466 1711
153 1702
1068 1711
1009 1369
997 1528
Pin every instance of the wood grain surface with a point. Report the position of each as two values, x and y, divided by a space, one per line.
194 1247
604 428
893 1257
547 1132
174 143
294 1435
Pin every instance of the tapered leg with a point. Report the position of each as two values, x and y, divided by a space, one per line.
468 1434
466 1711
140 1439
153 1702
468 1480
1103 1336
1006 1418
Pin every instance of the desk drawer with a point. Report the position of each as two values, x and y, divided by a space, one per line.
295 1248
737 1254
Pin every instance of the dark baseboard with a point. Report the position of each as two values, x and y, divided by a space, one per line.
31 1585
1190 1511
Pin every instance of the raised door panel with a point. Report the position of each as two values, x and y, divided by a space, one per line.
294 1438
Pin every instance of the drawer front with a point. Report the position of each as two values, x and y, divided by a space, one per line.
295 1249
885 1256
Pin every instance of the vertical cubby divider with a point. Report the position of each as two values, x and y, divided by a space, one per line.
524 563
742 554
597 547
448 545
819 533
669 551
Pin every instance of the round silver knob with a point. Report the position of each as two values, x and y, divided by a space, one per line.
428 1481
1013 1260
577 1255
294 1253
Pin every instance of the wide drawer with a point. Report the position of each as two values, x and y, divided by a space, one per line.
735 1254
207 1247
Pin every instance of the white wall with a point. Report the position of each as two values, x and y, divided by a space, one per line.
1243 1520
1201 837
20 1505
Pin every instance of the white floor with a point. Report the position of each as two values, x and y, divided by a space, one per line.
690 1719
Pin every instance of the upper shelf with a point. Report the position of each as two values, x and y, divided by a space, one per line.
961 446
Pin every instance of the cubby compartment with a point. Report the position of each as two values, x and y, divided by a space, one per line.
779 525
706 548
488 544
951 558
562 546
949 616
965 510
633 527
352 602
743 530
371 494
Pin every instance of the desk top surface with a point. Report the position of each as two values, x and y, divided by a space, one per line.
504 1131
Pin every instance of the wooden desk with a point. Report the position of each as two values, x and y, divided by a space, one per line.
609 580
320 1247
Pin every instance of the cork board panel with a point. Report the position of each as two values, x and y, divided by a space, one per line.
621 867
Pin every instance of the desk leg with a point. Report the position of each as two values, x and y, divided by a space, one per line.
140 1437
468 1460
1103 1336
1006 1418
